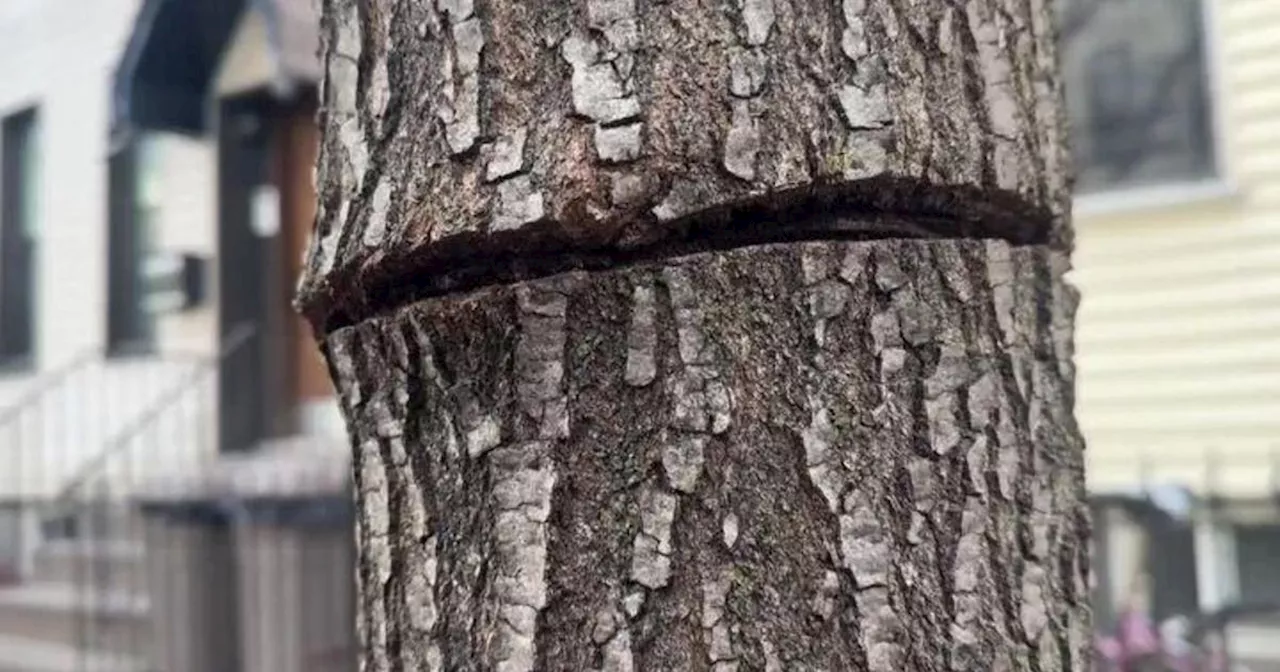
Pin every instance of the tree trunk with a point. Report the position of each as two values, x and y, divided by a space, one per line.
706 335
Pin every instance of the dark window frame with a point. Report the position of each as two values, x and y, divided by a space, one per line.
1255 562
1153 122
130 328
19 238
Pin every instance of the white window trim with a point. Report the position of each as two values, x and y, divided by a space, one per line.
1217 572
1220 186
1156 197
1215 87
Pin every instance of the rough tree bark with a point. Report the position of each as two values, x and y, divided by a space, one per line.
703 334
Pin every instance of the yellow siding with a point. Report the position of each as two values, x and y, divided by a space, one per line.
1179 328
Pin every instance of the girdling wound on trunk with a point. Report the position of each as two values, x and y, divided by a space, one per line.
462 133
828 455
640 371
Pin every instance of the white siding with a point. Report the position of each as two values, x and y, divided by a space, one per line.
58 55
187 222
1179 329
246 63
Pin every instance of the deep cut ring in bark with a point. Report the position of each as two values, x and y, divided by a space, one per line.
459 132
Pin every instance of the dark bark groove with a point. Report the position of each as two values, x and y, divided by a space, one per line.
804 456
870 210
460 131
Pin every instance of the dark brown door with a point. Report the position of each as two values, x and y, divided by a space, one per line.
297 142
246 281
267 148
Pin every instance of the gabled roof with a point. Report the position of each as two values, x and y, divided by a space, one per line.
163 78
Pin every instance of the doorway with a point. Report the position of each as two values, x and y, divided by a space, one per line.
246 252
266 150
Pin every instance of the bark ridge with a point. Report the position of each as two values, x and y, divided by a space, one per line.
806 456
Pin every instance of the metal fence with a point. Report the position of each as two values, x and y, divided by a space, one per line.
143 549
129 543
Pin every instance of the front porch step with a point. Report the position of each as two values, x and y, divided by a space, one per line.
118 564
1255 646
59 614
20 654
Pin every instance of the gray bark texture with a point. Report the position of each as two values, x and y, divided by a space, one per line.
459 133
703 334
806 456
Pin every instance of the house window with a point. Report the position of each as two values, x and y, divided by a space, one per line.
1137 92
1257 547
133 204
19 186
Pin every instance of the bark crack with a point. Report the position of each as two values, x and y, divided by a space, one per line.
872 209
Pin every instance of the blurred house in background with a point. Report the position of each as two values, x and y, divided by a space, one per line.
1176 125
54 266
213 107
174 490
